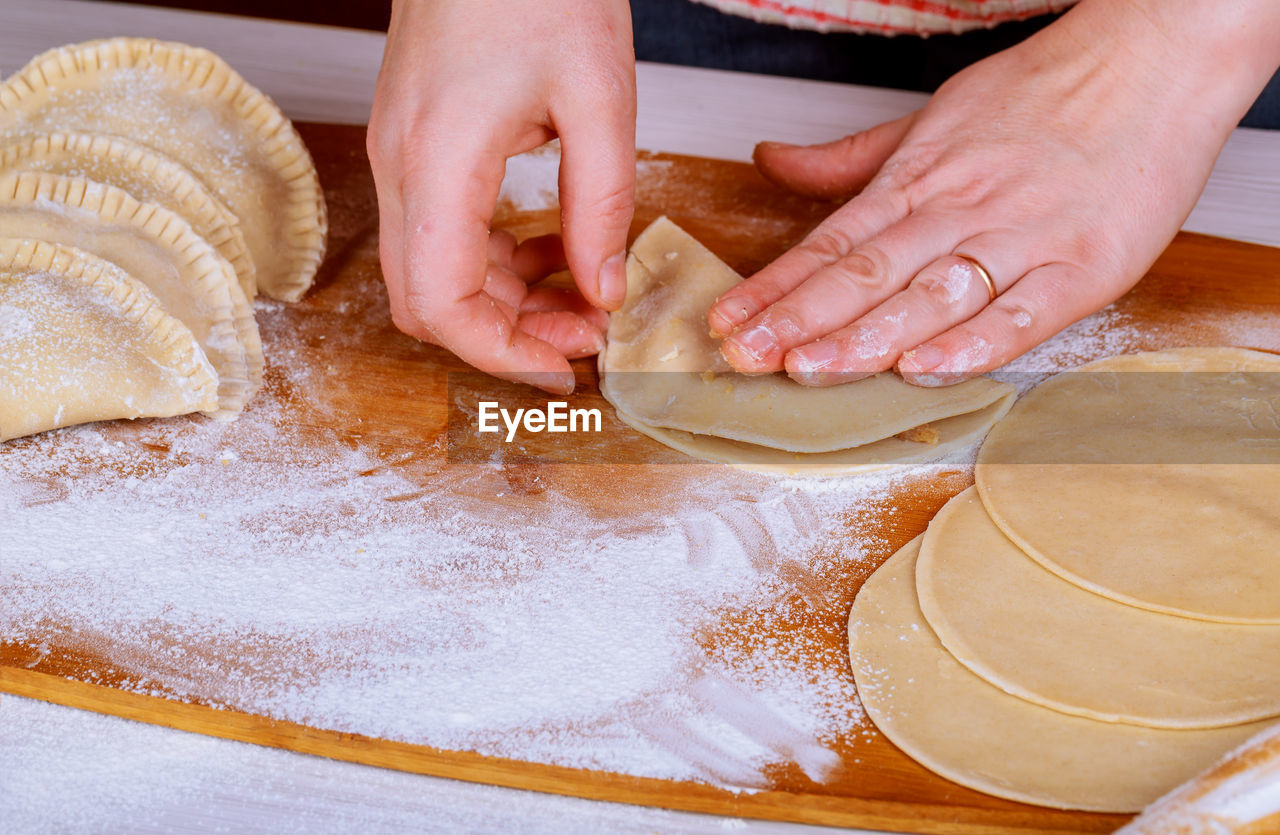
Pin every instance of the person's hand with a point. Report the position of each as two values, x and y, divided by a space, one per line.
1063 166
464 85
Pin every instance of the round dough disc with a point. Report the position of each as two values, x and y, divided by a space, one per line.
1033 634
961 727
1151 479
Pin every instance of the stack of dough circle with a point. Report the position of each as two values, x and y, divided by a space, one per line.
1151 479
1082 674
666 378
158 159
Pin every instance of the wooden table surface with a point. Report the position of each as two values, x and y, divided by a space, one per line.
1199 280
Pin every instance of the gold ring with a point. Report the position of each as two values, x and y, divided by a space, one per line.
986 276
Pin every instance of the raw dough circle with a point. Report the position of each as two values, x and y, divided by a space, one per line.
1150 479
1037 636
966 730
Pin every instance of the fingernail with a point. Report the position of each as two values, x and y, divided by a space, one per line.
613 281
731 315
924 358
755 343
811 358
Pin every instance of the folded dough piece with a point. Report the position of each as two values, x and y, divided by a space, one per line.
957 725
193 282
1035 635
187 104
80 340
1151 479
665 376
148 176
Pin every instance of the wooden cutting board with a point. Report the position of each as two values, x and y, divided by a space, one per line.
396 395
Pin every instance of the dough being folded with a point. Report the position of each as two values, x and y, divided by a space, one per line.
187 104
963 728
1151 479
146 175
665 376
81 341
1037 636
193 283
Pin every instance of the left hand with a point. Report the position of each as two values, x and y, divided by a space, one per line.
1063 166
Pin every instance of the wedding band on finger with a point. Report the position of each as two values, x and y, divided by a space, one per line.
982 272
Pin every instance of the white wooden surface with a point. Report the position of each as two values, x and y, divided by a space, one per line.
50 755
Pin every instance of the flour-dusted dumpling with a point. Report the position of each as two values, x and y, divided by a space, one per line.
80 340
193 282
664 374
187 104
959 726
1151 479
147 175
1037 636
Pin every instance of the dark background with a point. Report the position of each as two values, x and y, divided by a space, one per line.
682 32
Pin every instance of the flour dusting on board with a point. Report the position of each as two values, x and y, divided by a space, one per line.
233 565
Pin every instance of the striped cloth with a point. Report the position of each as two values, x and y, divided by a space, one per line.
888 17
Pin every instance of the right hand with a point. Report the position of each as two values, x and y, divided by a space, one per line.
464 85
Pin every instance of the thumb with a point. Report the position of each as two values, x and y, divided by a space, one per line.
832 169
597 197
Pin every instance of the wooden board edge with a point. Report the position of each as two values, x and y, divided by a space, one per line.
551 779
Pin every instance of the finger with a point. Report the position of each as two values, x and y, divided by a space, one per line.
568 333
505 287
945 293
537 258
448 200
1039 305
550 299
501 246
839 293
833 169
836 237
597 193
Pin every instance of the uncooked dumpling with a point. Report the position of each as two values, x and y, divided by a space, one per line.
963 728
146 175
665 375
81 341
1037 636
187 104
1149 478
194 284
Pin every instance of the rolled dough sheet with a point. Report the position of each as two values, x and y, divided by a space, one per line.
1151 479
1034 635
966 730
661 368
